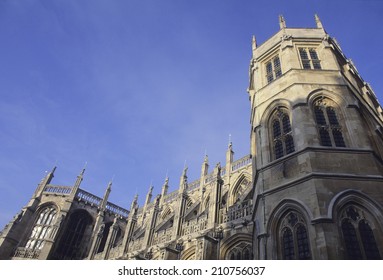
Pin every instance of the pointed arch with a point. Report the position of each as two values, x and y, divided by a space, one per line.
357 197
359 220
238 245
166 212
269 110
276 123
74 241
329 115
206 202
189 202
45 219
290 231
241 188
189 253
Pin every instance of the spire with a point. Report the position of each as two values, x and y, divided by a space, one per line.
53 170
318 22
165 186
134 203
206 159
106 196
50 175
253 45
164 190
44 181
184 172
149 195
230 152
166 181
79 180
184 179
205 166
282 22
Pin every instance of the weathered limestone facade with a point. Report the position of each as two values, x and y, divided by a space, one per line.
203 219
317 148
310 189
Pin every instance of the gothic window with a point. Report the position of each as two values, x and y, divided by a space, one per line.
283 142
288 244
329 128
273 69
309 58
75 238
241 251
368 241
293 238
42 228
358 237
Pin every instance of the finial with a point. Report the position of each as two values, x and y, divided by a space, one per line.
53 170
109 188
230 142
134 202
282 22
206 158
83 170
166 180
184 171
151 188
254 45
318 22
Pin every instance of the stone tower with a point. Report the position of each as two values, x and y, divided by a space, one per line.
317 149
310 189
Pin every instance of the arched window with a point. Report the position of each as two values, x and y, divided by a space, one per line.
329 128
241 251
358 237
283 142
293 237
42 228
76 237
273 69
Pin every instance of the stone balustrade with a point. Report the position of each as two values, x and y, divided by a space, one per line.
236 212
241 163
24 253
58 190
162 236
193 226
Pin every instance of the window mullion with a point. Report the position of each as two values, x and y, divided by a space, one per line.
360 241
329 127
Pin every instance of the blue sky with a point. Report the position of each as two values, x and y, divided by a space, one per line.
136 88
